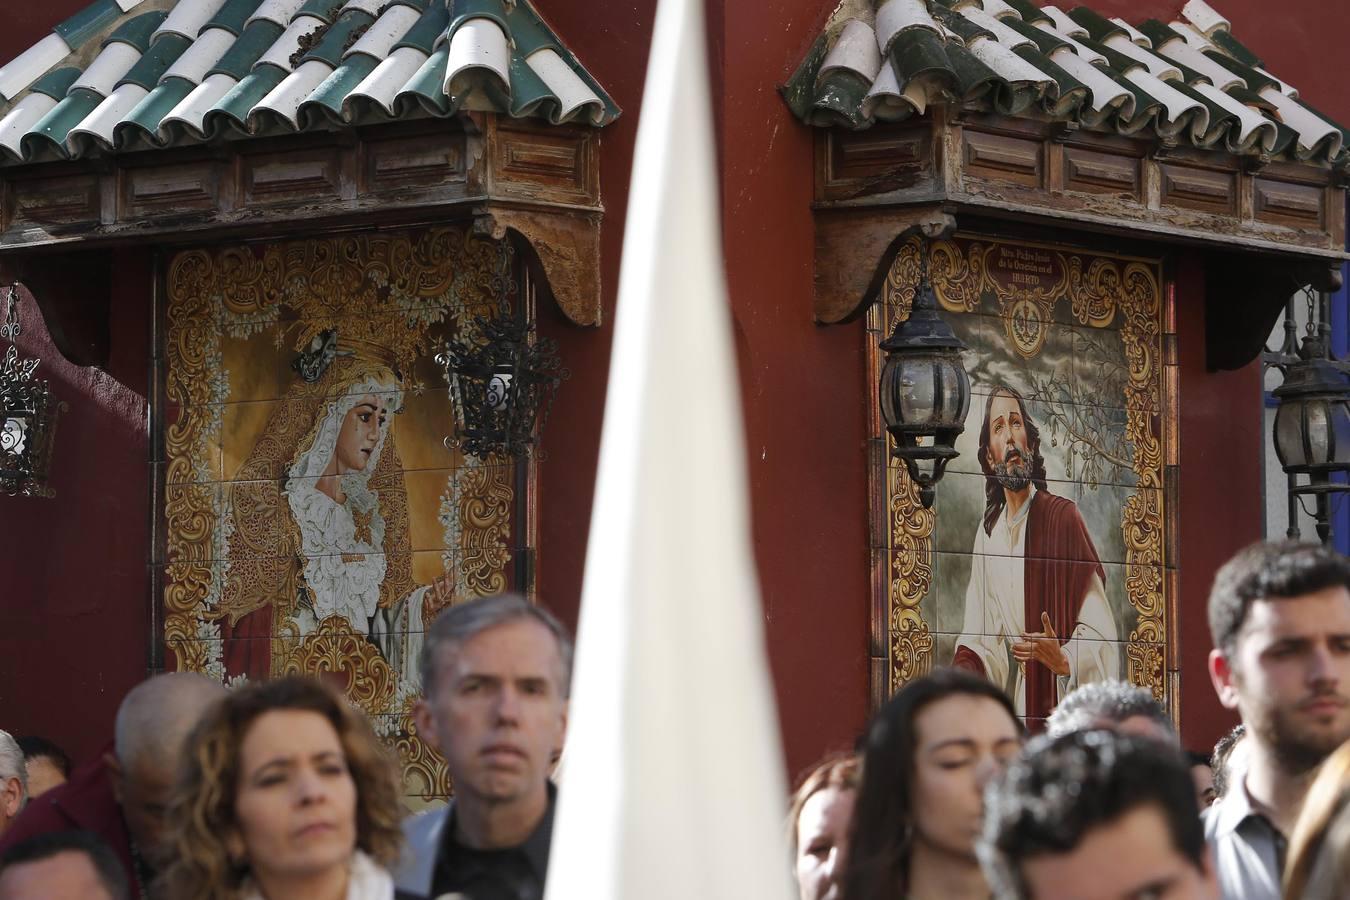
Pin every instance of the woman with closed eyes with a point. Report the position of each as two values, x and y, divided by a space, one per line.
928 754
285 792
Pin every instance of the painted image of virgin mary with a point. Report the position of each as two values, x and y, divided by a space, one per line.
317 518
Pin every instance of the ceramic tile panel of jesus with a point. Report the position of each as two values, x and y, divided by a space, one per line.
1036 577
1042 564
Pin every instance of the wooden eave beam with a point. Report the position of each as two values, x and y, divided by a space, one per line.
935 173
536 180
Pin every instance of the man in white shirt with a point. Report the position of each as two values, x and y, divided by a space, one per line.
1036 619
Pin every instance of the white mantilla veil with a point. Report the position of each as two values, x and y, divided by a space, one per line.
344 563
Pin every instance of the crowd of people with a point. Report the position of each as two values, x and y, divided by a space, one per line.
280 789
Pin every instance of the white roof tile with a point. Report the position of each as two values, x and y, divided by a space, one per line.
479 43
188 17
31 64
198 59
856 49
281 51
107 69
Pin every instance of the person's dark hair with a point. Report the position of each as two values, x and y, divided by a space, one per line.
1196 758
882 827
1061 788
1269 570
1218 760
35 747
1099 703
993 488
459 623
45 846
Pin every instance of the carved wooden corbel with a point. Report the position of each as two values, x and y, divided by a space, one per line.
854 249
1244 296
563 247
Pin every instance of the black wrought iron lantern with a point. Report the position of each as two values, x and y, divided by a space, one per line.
924 390
502 379
1312 424
27 415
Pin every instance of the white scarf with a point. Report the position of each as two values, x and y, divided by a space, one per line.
367 881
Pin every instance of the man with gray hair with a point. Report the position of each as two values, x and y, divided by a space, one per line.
13 780
1116 705
121 797
495 678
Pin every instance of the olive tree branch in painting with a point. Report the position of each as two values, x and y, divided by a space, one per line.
1093 434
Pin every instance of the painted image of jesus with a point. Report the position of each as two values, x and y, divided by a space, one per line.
1036 620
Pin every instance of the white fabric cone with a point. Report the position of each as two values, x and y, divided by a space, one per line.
674 785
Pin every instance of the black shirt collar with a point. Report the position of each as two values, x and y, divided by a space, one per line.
535 849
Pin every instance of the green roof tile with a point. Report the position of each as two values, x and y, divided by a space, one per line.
1025 63
233 15
137 31
238 61
339 36
479 9
530 33
524 92
528 91
323 9
157 104
800 90
245 95
1029 11
1230 45
1255 80
88 23
1072 93
429 27
426 86
334 90
1157 32
56 83
156 61
1046 43
51 130
1098 26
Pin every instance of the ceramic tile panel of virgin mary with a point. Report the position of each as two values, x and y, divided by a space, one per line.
315 519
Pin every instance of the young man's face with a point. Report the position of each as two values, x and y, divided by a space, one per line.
1290 675
1130 858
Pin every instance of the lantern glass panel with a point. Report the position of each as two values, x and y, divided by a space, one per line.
1339 412
14 436
909 397
1289 435
499 390
1317 424
954 392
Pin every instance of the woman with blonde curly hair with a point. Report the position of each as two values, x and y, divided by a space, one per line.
285 792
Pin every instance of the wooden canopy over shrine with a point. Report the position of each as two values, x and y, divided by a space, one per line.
933 113
193 121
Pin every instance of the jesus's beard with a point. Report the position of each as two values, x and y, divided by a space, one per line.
1013 472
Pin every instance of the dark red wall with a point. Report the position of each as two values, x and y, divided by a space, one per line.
1221 433
72 571
805 390
73 607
